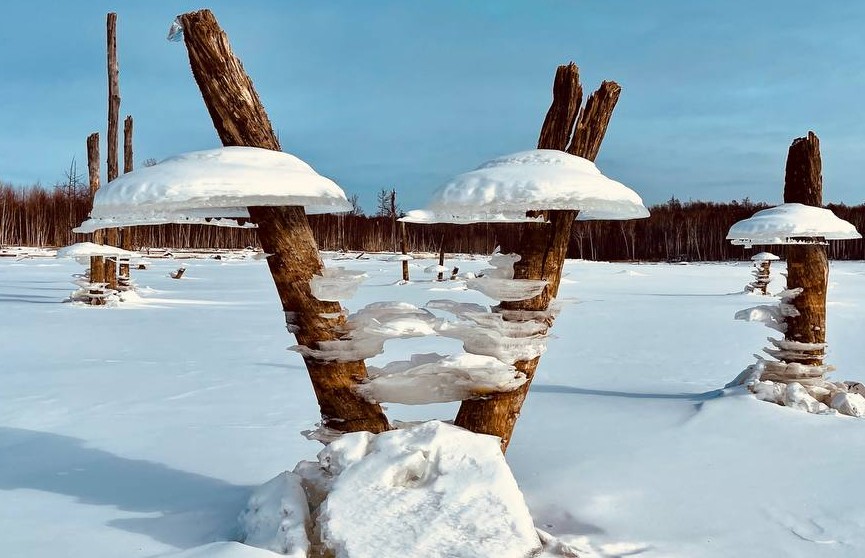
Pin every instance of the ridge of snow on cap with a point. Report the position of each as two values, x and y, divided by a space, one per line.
784 223
504 188
214 183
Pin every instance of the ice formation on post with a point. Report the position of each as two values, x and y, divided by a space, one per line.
502 190
367 330
498 282
87 289
84 250
336 284
797 379
431 490
761 272
212 187
433 378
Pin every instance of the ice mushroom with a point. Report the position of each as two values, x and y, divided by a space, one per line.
505 188
765 257
214 187
791 223
83 251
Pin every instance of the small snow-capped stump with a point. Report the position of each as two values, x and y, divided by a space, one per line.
178 274
82 252
405 493
761 272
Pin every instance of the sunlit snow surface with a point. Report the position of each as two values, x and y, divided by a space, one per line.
502 189
789 223
141 430
195 187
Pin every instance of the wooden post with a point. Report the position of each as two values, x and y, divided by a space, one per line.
441 275
403 244
124 274
284 233
807 264
112 236
97 263
762 275
393 219
543 246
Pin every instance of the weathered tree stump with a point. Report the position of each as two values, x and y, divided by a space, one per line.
543 246
112 236
240 119
807 264
97 263
403 244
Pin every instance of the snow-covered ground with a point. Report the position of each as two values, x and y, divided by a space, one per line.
140 430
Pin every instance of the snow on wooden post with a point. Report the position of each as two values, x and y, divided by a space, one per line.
441 276
761 272
403 244
807 264
284 233
543 246
97 263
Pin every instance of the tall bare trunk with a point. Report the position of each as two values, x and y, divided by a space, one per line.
240 119
112 236
543 247
126 234
403 249
97 263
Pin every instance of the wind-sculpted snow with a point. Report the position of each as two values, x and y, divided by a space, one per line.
205 186
433 378
504 188
276 517
791 223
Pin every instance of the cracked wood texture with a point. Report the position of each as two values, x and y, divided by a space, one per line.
284 233
807 264
112 236
97 263
125 236
543 247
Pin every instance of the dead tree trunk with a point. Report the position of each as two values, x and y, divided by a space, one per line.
124 275
97 263
807 264
240 119
112 236
404 249
543 247
441 275
762 277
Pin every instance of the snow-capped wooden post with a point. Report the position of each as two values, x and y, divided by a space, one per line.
762 272
807 264
240 119
403 244
543 246
97 263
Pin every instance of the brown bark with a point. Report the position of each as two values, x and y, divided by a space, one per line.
127 144
807 264
594 120
403 244
441 275
562 114
240 119
97 263
543 247
113 96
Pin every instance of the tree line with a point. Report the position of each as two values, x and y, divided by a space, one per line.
675 231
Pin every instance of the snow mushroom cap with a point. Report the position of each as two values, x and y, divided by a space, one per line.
87 249
791 223
207 186
502 190
764 257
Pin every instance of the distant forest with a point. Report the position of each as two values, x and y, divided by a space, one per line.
676 231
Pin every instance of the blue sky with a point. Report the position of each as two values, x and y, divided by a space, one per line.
405 93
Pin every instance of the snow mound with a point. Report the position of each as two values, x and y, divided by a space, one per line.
764 257
226 549
789 223
432 378
505 188
207 186
277 517
432 490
